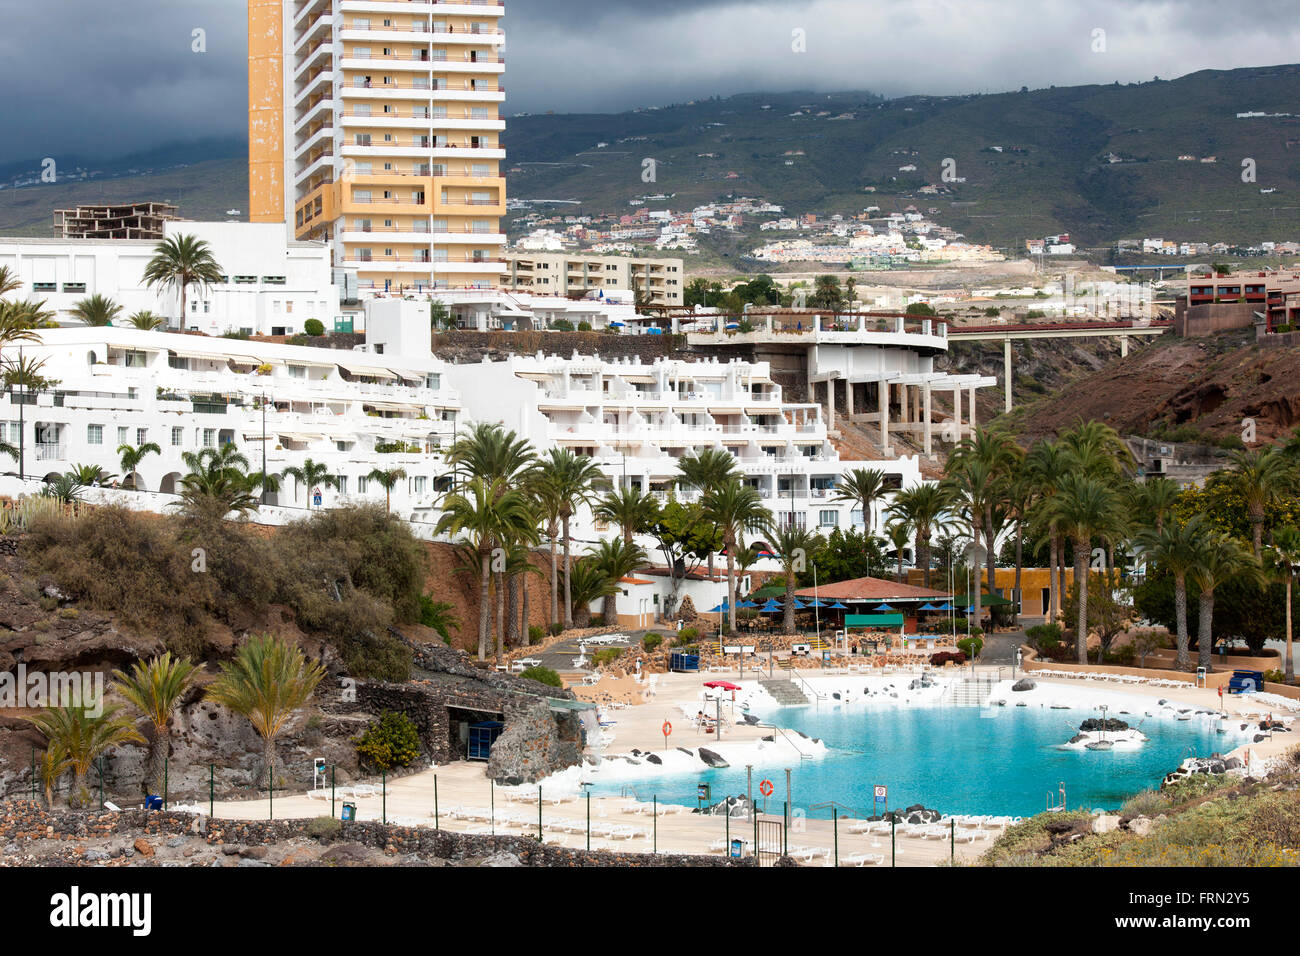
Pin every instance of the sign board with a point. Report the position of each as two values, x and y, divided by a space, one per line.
316 497
800 648
738 649
1200 677
880 793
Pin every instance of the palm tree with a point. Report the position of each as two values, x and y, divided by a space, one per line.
154 688
180 262
8 449
707 470
545 504
211 494
1084 508
132 457
75 736
490 452
616 559
1174 548
590 583
1154 499
973 485
145 321
97 310
1003 460
1263 477
794 546
489 515
1286 545
865 486
311 475
571 478
387 479
266 682
630 508
923 508
1046 466
733 508
899 534
9 281
1218 558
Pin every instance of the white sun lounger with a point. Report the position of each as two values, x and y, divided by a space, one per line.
864 859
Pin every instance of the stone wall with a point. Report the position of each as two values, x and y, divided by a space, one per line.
26 820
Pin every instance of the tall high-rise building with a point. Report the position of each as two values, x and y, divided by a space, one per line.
376 123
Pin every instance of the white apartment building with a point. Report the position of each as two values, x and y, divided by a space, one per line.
270 284
279 404
636 421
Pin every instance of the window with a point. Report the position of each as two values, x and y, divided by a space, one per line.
121 435
94 434
134 359
343 484
363 484
419 484
178 436
141 436
829 518
209 438
297 371
433 381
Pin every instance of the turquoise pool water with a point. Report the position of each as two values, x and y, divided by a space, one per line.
953 759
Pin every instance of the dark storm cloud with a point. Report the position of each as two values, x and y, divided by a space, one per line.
103 79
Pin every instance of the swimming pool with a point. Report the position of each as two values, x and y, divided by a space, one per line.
953 759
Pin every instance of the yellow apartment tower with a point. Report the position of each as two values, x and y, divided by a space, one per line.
376 124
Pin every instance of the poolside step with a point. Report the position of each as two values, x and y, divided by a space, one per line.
970 691
785 692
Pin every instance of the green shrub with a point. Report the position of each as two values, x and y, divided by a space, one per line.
376 657
688 634
562 325
1274 676
314 327
392 741
556 630
1044 637
584 326
608 656
324 828
651 641
971 646
437 615
597 620
536 634
543 675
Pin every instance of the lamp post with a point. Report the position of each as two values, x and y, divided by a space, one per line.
264 448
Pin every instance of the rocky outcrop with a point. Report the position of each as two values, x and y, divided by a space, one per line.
712 759
1023 684
530 747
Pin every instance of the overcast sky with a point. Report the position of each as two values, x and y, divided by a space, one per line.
111 77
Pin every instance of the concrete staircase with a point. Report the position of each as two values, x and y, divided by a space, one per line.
970 691
785 692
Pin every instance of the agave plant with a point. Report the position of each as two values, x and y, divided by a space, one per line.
65 489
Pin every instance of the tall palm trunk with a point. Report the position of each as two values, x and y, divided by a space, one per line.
1256 531
789 601
731 588
568 571
976 598
1205 629
1051 581
609 610
484 608
501 614
1060 576
512 611
1182 660
551 531
1289 672
525 637
924 550
1081 587
1020 562
155 762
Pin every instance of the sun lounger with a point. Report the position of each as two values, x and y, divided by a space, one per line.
864 859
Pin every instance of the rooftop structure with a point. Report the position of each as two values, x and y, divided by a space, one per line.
136 220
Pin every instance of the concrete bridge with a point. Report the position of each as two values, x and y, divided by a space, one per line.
1006 334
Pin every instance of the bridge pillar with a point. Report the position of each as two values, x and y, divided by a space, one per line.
928 425
973 423
1006 365
1123 346
848 398
830 404
883 390
956 414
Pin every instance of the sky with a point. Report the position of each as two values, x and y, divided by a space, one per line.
110 78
